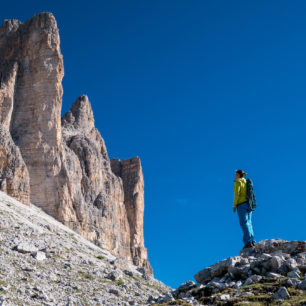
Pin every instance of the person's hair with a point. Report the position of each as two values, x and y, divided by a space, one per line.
241 173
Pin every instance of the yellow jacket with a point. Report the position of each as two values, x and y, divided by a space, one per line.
240 191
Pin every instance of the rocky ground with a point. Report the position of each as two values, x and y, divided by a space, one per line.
271 273
43 262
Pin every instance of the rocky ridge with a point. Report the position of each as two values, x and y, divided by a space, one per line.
274 270
61 164
43 262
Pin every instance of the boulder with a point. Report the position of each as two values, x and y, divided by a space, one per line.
113 291
186 286
291 282
294 274
272 275
302 286
39 256
203 276
223 297
281 294
114 275
166 298
252 279
291 264
26 247
275 263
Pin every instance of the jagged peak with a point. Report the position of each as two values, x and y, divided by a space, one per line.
80 115
10 25
40 20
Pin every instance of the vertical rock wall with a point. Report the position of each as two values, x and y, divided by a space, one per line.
130 171
62 163
14 176
32 72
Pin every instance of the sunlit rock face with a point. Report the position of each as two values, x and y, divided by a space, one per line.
61 164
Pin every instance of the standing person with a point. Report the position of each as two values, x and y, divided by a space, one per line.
242 206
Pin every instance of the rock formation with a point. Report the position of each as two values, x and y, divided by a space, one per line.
130 171
62 164
31 67
14 176
274 269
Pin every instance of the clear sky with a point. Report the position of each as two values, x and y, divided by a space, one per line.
197 89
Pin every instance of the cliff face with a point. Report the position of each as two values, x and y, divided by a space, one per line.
130 172
61 164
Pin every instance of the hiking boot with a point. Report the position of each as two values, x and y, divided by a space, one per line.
253 243
248 245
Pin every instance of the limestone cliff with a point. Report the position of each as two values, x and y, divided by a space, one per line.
130 171
62 164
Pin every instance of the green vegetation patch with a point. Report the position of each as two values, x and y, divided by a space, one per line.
120 282
85 275
156 287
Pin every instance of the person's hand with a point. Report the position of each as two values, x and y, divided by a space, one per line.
234 209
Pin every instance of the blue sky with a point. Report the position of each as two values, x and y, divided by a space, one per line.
197 89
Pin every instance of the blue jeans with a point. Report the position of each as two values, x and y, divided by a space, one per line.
245 220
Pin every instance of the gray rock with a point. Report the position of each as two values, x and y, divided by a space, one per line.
114 275
252 279
223 297
244 260
240 272
39 256
302 268
283 269
203 276
291 263
215 284
127 272
221 267
113 291
281 294
302 286
166 298
291 282
232 284
238 284
186 286
265 256
294 274
273 275
275 263
26 247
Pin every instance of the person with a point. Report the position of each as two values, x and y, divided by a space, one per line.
242 206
